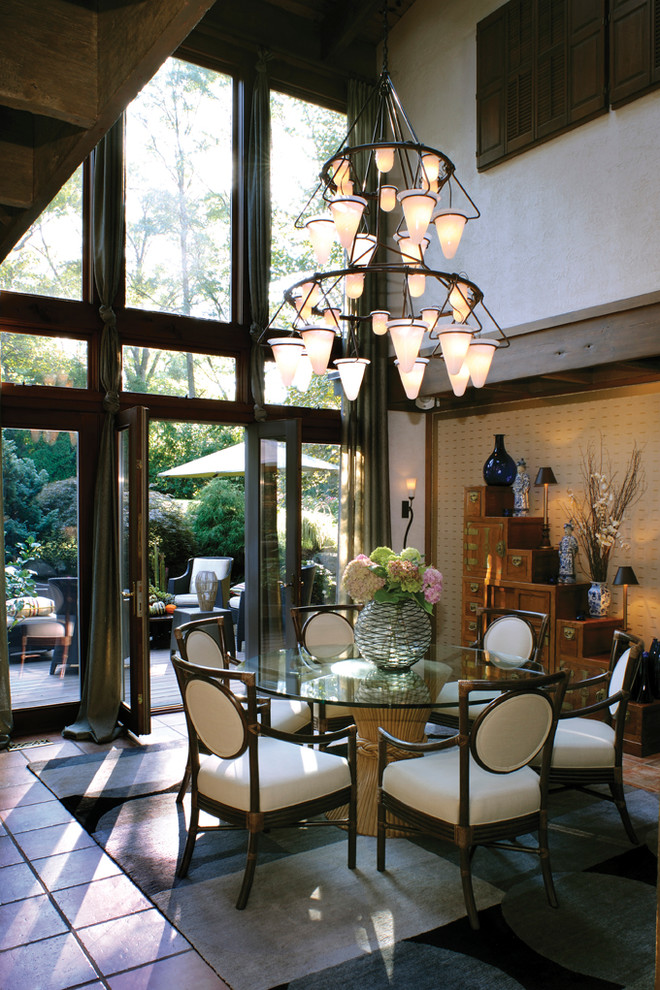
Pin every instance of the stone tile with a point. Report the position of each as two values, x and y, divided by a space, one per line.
54 751
9 854
76 867
29 920
102 900
12 758
53 964
53 840
18 882
182 971
131 941
24 819
29 791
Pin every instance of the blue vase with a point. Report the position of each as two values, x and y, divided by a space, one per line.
500 468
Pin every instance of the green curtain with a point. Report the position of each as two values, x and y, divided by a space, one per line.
101 689
6 720
365 509
259 225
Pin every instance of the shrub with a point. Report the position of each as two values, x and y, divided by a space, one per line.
171 532
218 522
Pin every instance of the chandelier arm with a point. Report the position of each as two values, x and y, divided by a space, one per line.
465 193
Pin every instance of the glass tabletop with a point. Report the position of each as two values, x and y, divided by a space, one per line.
357 682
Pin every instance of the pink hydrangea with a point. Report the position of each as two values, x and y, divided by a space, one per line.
360 581
405 573
432 585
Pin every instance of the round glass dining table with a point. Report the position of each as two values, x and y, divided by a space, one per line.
401 701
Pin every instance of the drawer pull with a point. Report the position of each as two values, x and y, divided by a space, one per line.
569 633
500 549
473 606
472 626
474 587
516 561
473 497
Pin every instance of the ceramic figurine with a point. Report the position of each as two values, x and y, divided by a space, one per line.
568 548
521 490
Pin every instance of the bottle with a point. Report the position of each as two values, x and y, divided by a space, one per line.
641 691
654 667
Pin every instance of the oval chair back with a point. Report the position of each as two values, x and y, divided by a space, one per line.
511 731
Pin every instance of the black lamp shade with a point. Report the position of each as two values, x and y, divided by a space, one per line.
546 476
625 575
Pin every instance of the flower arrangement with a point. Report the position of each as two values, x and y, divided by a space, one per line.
598 512
389 577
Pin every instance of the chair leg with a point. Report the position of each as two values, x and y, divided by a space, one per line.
380 838
190 842
465 855
544 853
184 782
619 798
250 864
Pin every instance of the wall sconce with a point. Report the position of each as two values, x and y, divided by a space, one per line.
625 576
545 477
407 507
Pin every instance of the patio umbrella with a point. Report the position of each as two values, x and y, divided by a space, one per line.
231 460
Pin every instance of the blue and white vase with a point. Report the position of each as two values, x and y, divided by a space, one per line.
599 598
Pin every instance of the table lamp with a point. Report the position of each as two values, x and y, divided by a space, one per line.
625 576
545 477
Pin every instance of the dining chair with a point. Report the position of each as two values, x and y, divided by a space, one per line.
588 750
326 632
251 776
477 787
202 642
509 632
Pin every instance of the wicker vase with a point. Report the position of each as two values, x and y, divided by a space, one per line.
393 636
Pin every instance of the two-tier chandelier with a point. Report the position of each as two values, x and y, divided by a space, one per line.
379 201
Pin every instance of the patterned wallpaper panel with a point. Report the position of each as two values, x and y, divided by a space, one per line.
553 432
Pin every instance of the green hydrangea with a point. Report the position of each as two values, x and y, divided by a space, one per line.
381 555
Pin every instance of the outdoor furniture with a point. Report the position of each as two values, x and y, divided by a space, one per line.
64 592
589 750
476 788
255 777
183 586
184 616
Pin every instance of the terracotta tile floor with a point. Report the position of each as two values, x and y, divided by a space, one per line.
70 918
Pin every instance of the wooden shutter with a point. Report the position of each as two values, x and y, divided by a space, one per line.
586 57
519 74
491 61
631 47
551 67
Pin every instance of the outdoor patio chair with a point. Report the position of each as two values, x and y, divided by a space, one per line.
589 751
477 788
183 586
251 776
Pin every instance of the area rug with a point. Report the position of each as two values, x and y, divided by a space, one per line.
312 924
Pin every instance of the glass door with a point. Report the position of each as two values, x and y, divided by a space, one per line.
132 463
272 530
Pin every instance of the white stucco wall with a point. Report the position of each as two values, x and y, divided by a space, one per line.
566 226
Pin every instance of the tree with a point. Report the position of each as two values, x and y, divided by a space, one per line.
22 483
172 443
219 522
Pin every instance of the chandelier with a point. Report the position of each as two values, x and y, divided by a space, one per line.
380 201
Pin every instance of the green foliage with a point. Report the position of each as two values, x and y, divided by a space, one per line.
19 578
172 443
61 553
170 533
60 498
219 523
22 484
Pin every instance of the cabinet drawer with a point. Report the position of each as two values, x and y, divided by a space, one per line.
468 630
473 595
530 565
488 500
582 668
641 734
588 637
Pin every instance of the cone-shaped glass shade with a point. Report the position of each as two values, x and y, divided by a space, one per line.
307 297
431 315
387 198
417 209
412 254
416 285
351 371
347 212
430 166
454 344
322 234
318 344
459 381
354 285
449 226
287 351
363 249
460 299
407 339
304 372
331 318
384 159
341 170
479 359
379 318
412 380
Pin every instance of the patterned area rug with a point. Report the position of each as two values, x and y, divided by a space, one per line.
312 924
